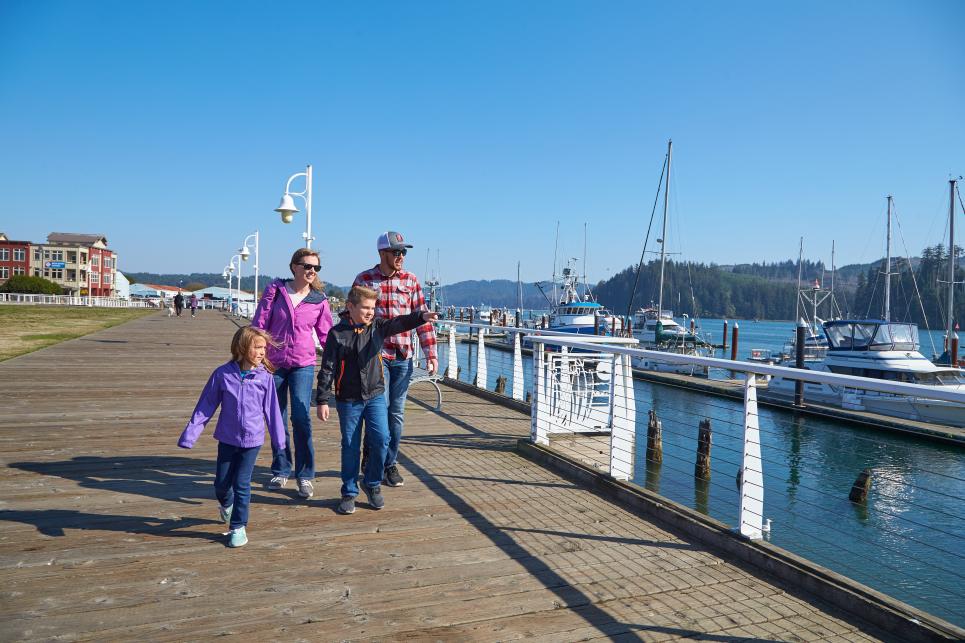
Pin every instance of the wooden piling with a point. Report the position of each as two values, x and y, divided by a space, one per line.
702 468
861 487
723 346
654 438
733 343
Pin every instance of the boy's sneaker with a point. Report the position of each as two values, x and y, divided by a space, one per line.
237 537
347 506
392 478
305 489
374 496
278 482
226 513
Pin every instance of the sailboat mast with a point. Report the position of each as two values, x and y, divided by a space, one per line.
831 302
887 315
800 267
663 234
951 262
556 249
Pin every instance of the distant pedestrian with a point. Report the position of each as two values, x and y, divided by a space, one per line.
353 351
399 294
193 302
178 302
245 391
292 310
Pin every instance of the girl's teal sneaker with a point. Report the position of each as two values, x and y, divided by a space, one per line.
226 513
237 537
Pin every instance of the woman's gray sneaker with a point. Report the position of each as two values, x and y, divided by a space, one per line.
347 506
374 496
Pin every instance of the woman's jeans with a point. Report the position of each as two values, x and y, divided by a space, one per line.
232 480
350 416
299 382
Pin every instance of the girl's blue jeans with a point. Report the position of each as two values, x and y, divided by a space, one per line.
350 416
298 382
232 480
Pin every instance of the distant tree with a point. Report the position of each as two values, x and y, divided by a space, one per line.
31 285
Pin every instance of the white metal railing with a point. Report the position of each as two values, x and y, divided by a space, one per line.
583 384
67 300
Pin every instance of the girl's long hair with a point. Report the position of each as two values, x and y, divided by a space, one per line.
242 341
300 254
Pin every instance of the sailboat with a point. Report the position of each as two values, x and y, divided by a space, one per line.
655 327
950 356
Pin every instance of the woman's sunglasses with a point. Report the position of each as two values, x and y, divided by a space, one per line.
309 266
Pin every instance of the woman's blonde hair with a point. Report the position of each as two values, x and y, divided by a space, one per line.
243 340
301 253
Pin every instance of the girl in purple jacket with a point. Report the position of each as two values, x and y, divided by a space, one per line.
293 311
245 391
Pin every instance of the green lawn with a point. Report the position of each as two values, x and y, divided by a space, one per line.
25 328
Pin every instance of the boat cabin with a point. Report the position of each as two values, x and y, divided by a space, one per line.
870 335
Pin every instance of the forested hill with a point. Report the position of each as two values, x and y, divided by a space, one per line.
704 291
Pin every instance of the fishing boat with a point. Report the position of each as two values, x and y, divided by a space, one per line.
578 313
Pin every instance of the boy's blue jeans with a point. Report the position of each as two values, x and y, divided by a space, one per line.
300 382
350 416
232 480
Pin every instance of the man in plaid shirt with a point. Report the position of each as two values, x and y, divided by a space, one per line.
399 294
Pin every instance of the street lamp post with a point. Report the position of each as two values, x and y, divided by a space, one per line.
287 207
245 253
236 266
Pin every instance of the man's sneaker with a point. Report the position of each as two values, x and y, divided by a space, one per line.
226 513
278 482
237 537
374 496
392 477
347 506
306 489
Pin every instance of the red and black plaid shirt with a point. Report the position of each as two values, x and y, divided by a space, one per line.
398 295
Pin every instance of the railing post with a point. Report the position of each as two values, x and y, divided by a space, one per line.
565 400
517 384
481 359
453 369
538 412
622 423
752 478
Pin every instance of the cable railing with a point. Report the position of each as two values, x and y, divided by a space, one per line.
773 475
68 300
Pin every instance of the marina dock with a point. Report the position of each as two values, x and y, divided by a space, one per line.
108 531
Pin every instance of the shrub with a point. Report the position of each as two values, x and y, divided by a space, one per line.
31 285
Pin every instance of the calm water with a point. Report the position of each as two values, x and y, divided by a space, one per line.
909 542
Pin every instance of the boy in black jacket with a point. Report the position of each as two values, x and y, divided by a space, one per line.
353 362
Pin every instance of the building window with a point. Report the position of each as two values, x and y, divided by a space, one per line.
107 263
72 256
95 260
4 254
95 277
54 273
19 254
54 255
37 254
72 275
18 270
83 257
4 272
36 272
107 279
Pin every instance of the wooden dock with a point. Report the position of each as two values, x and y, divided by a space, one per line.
108 531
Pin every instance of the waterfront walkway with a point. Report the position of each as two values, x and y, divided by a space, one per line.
108 531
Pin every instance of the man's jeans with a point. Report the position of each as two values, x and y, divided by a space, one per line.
398 372
232 480
299 382
350 416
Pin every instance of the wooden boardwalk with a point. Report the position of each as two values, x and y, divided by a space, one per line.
108 531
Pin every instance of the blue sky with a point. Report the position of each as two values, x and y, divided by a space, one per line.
473 127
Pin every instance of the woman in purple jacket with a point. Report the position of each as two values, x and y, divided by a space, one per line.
291 310
245 391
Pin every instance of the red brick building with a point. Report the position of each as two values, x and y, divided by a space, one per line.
14 258
81 263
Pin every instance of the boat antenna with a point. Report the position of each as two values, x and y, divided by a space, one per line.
586 288
800 266
519 290
653 211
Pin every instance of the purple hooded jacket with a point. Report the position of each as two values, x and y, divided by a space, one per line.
291 327
246 406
